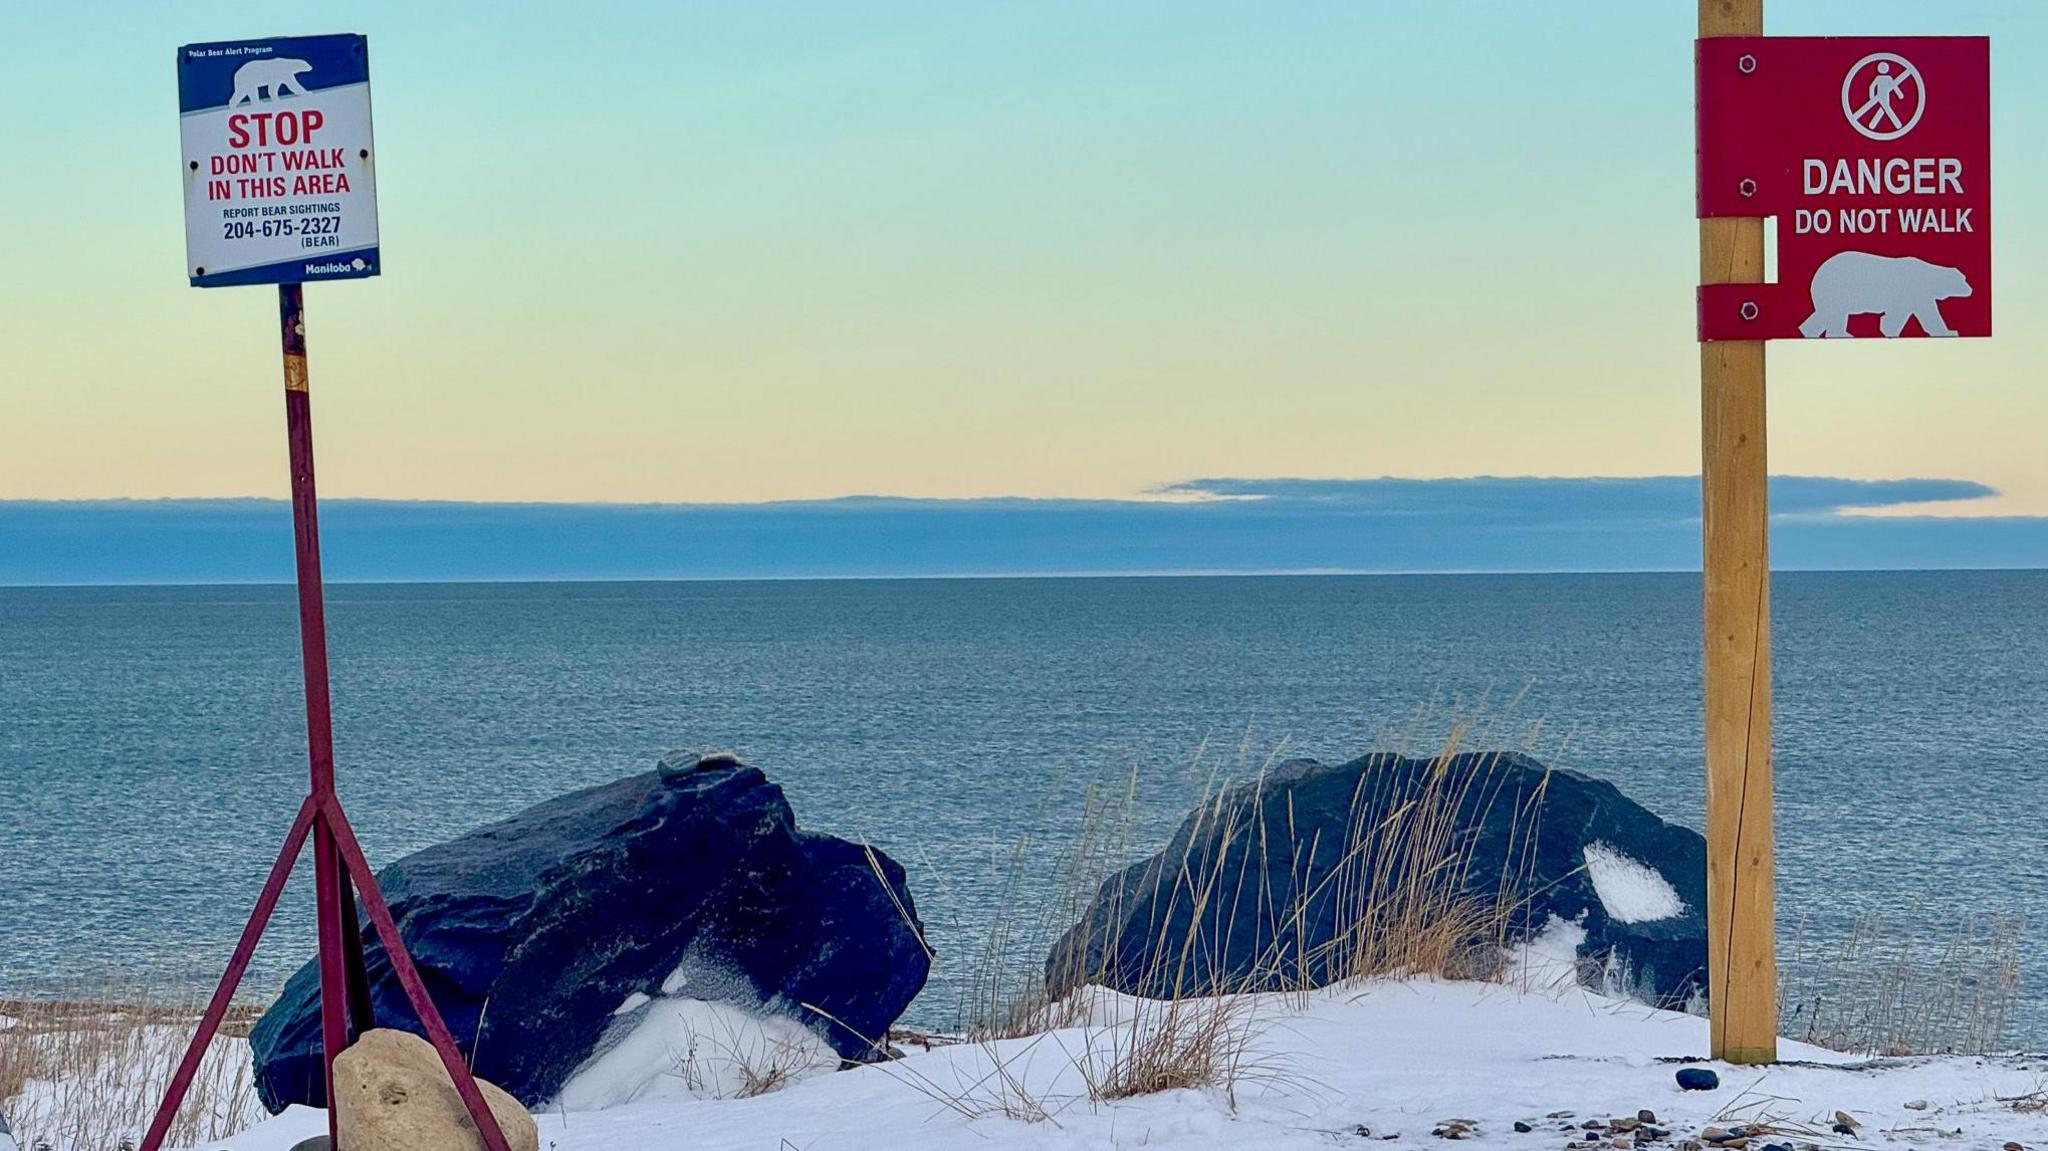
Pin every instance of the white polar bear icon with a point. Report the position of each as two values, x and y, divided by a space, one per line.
272 77
1901 288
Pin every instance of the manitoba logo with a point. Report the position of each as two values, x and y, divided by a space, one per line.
1883 96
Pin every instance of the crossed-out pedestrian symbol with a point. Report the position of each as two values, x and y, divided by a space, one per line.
1884 96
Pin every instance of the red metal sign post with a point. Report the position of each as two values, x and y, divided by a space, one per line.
339 868
280 188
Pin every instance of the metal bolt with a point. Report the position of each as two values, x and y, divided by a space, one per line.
195 165
363 153
1746 64
1747 187
1749 310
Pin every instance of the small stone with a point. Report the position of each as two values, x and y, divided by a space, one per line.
1777 1147
1522 1128
1646 1116
1593 1125
1362 1131
1559 1115
1916 1105
392 1094
2015 1147
1844 1119
1624 1125
1697 1079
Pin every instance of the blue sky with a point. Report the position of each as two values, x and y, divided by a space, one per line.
693 253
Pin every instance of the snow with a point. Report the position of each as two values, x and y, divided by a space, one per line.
1392 1058
1631 891
1548 960
680 1049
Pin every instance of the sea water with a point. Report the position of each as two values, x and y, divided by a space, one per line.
152 739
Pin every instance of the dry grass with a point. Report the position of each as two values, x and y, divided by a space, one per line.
1173 1045
1880 992
1399 892
88 1074
730 1064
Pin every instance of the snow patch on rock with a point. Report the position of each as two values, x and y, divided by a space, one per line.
1631 891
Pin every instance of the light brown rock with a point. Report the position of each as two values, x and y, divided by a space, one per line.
392 1094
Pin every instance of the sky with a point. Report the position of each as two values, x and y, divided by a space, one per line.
698 253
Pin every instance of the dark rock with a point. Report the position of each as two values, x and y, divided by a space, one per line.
694 875
316 1143
1287 853
1522 1128
1697 1079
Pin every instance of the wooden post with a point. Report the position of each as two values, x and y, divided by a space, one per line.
1742 965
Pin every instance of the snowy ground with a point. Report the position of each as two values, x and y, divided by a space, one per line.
1384 1066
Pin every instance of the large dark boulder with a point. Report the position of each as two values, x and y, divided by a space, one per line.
531 933
1283 882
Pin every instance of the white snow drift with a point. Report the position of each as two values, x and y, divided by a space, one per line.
1350 1068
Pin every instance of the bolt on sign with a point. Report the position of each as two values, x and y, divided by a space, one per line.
1874 155
280 172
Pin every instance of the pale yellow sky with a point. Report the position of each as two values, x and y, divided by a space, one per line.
966 254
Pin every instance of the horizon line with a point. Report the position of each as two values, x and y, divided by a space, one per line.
990 577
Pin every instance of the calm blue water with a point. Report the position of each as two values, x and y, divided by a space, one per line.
151 739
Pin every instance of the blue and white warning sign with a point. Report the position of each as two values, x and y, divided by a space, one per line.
280 170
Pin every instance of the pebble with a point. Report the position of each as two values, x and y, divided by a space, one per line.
1917 1105
1646 1116
1697 1079
1522 1128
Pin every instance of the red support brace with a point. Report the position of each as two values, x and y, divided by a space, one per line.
344 985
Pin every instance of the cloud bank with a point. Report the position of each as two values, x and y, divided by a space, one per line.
1209 525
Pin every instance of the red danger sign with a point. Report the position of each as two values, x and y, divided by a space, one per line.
1874 156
